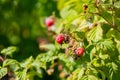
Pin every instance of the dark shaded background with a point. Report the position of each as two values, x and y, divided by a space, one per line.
22 25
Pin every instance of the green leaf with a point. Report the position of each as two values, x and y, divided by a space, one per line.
90 50
104 57
105 27
66 12
48 46
61 4
113 68
95 34
117 12
45 57
118 46
97 62
80 34
106 44
80 73
113 33
84 25
77 74
85 77
67 16
13 64
107 16
92 77
102 74
9 51
67 61
3 72
9 62
117 4
21 74
42 60
28 62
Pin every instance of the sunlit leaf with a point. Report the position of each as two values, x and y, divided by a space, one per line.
106 44
13 64
117 4
77 74
95 34
92 77
8 62
48 46
3 72
28 62
21 74
9 51
66 12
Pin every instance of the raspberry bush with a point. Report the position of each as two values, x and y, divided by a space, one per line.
85 46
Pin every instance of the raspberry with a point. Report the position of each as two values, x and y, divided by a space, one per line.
49 22
79 51
85 7
60 38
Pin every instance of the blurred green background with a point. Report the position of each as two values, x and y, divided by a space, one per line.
22 25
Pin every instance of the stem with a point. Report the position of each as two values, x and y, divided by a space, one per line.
113 16
113 21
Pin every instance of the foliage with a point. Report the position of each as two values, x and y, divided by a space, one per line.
96 29
3 72
20 24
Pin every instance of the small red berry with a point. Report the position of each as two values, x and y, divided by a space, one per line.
60 38
85 7
49 22
79 51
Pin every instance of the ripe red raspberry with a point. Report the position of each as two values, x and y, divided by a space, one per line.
49 22
79 51
60 38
